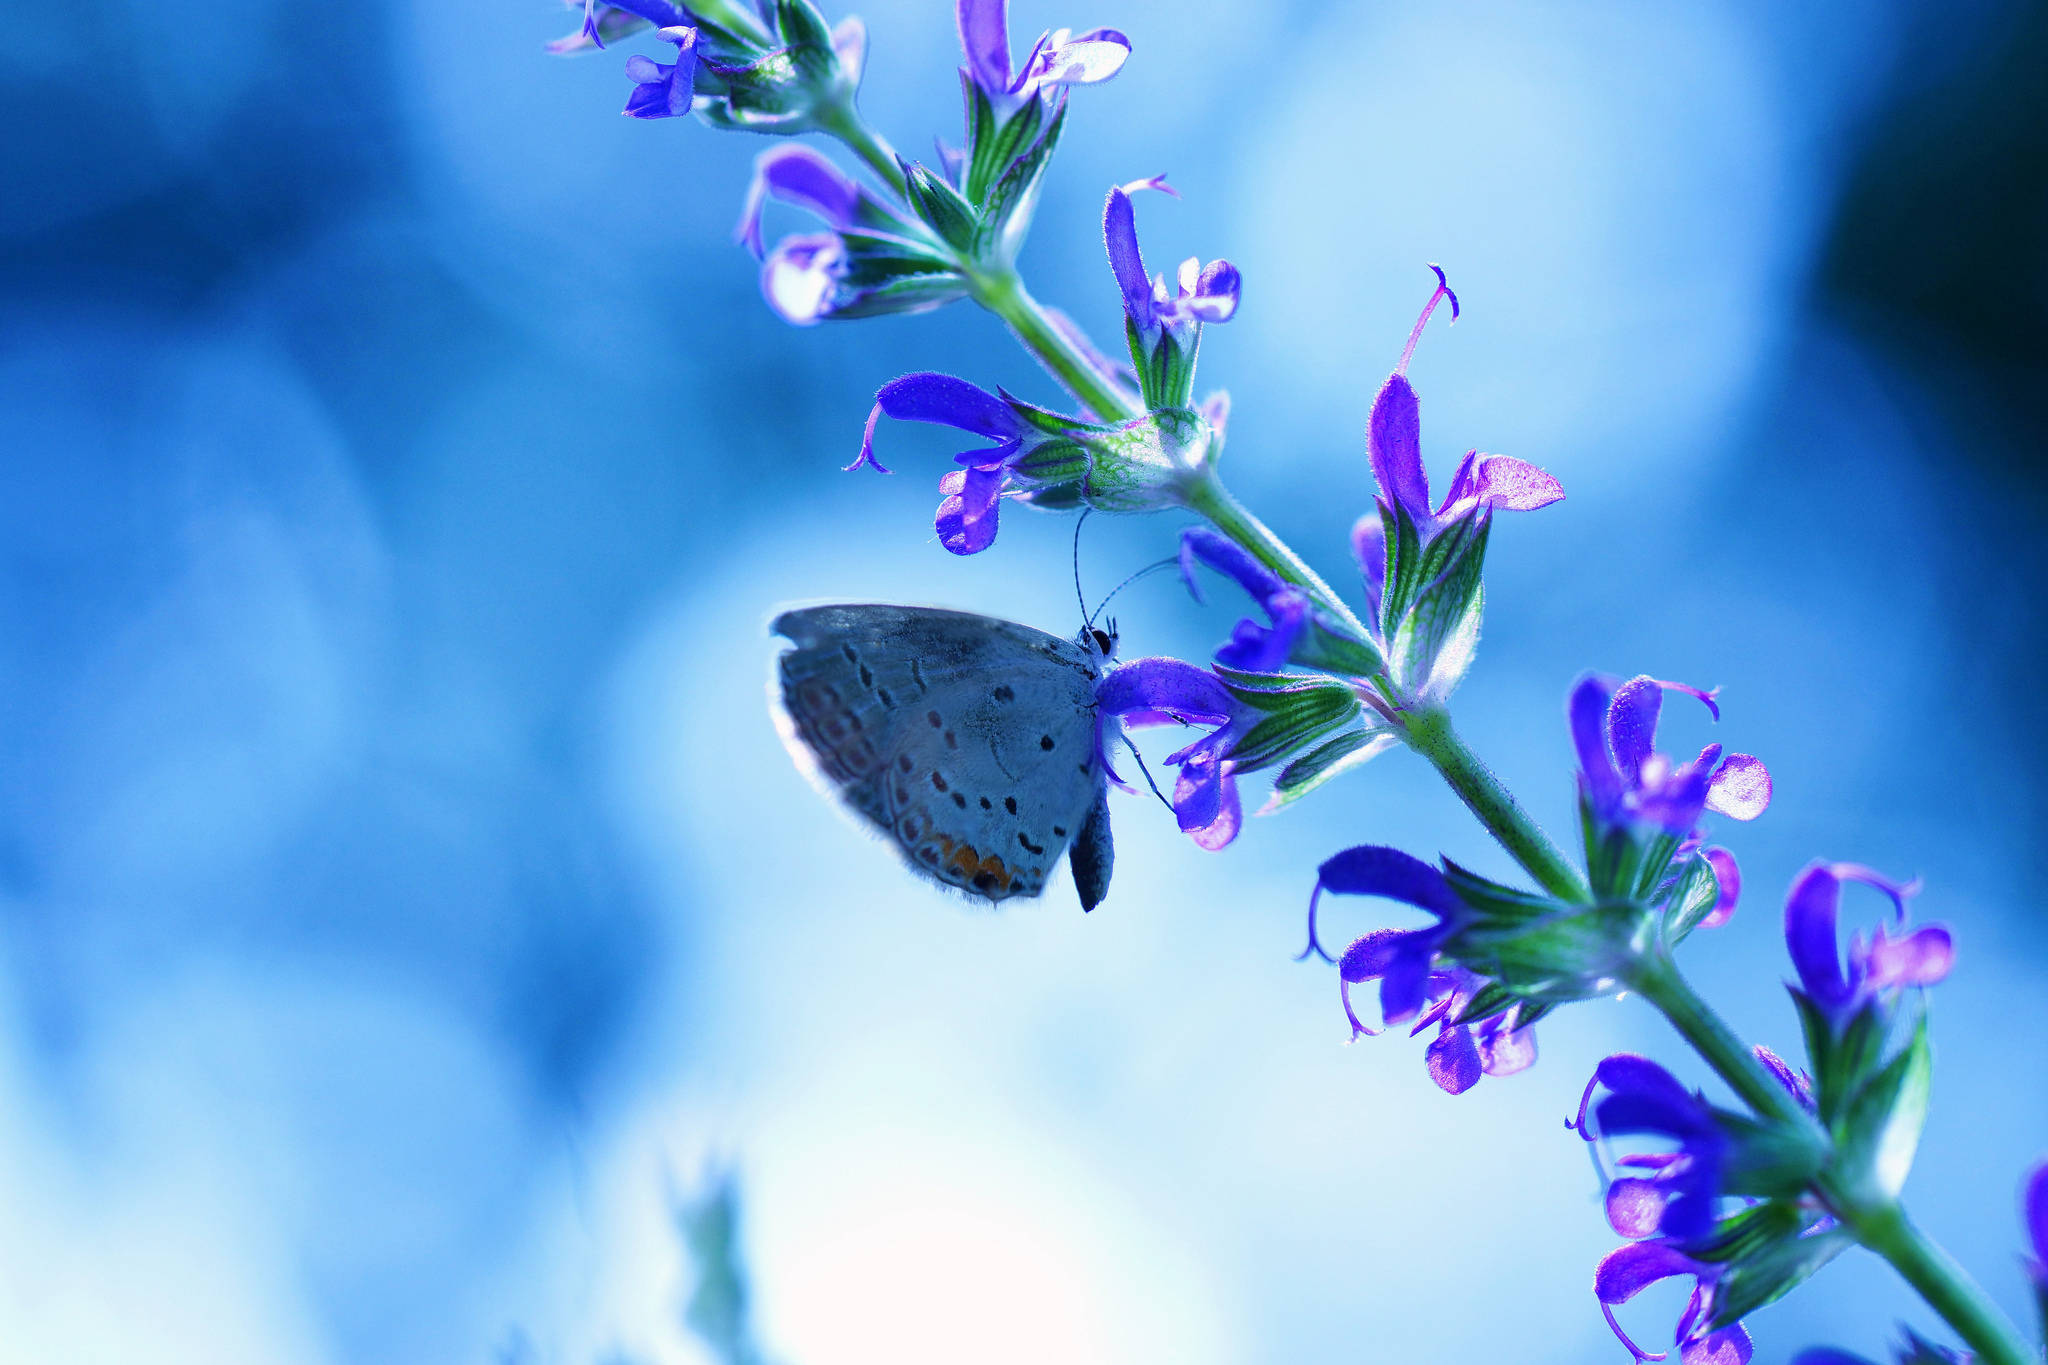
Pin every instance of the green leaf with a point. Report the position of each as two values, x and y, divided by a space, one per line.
1881 1129
1326 761
1691 900
1494 901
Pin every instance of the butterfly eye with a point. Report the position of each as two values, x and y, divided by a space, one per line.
1105 640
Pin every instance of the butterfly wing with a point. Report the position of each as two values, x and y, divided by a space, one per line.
967 740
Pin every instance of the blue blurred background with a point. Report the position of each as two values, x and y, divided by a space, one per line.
403 894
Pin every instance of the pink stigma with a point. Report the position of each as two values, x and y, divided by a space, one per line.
1443 291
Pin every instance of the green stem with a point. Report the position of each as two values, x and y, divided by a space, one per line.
1656 978
1003 294
1946 1286
1430 734
845 123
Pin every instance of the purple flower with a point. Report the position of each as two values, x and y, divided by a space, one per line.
897 268
1627 1271
663 90
1165 320
1394 444
1058 59
1415 984
1166 691
1626 784
1677 1192
1252 648
605 23
1912 1349
2034 1204
1879 967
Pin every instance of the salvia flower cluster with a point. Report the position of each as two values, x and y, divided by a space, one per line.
1745 1199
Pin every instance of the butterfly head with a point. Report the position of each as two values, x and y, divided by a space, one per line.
1099 640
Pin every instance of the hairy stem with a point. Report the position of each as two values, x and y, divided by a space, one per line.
1003 294
1946 1286
845 123
1657 979
1430 734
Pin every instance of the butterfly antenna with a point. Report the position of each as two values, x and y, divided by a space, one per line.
1129 744
1151 568
1081 598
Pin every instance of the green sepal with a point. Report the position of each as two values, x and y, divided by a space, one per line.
1880 1130
808 37
1494 999
1007 207
993 147
1404 548
1166 373
1841 1061
1061 460
1767 1160
1493 901
1691 899
1300 710
1444 607
1748 1232
1330 648
1771 1273
1575 954
1654 861
940 207
1326 761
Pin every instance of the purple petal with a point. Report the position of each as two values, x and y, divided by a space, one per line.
1827 1355
1514 485
1635 1206
1226 556
1206 802
1898 892
1922 958
1629 1073
1261 649
1369 546
1375 870
800 277
1632 724
967 518
1502 1050
1810 914
663 91
1171 686
1729 1346
795 175
1587 711
2035 1204
1120 236
1453 1060
1368 958
1151 182
850 46
1728 884
1627 1271
945 401
1741 788
985 37
1087 60
1680 1116
1404 988
1216 293
1393 441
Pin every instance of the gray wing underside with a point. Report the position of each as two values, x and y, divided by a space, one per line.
968 741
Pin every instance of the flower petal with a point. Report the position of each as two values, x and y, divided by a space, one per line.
966 520
1120 236
1810 914
1502 1050
1368 958
1729 1346
1514 485
1632 724
1587 712
1728 884
1205 801
985 37
946 401
1922 958
795 174
800 277
1741 788
1393 441
2035 1204
664 90
1170 686
1225 556
1375 870
1635 1206
1216 293
1453 1060
1087 60
1369 546
1627 1271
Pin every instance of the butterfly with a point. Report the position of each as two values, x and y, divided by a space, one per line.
969 741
